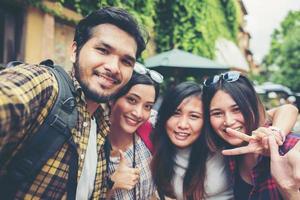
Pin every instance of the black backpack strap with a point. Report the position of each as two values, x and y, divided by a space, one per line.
53 133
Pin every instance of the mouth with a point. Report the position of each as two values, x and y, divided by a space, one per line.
132 121
236 129
181 135
111 79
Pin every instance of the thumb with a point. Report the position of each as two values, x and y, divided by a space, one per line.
123 161
273 146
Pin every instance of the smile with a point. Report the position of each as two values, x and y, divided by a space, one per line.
181 135
108 78
132 122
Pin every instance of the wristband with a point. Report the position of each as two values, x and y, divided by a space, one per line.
278 130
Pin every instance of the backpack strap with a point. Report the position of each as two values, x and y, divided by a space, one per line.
50 137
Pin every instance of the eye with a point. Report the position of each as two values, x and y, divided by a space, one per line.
176 113
131 100
195 116
127 62
103 51
148 107
236 110
216 114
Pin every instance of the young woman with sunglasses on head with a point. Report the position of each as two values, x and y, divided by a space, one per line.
233 110
127 156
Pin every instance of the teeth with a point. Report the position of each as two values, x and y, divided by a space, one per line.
181 134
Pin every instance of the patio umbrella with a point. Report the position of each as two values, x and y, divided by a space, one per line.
182 59
181 64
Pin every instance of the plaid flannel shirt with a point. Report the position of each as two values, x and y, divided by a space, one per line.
145 188
264 186
26 95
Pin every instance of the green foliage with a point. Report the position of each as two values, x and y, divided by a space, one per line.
191 25
283 60
195 25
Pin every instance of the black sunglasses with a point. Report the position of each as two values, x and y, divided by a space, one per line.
229 77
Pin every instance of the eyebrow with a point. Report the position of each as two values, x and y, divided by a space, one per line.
137 96
195 112
100 43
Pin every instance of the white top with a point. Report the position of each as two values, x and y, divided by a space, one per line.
217 184
86 181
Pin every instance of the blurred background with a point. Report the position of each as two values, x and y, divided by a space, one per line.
189 39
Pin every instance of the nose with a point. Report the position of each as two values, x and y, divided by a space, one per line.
138 112
183 122
229 119
112 64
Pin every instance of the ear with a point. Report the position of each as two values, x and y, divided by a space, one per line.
73 54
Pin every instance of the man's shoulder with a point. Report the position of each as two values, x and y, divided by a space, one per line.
29 71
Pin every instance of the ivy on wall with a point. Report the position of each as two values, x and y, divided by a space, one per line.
195 25
191 25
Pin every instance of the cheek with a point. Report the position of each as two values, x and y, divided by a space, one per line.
240 118
126 73
215 122
146 115
197 127
170 125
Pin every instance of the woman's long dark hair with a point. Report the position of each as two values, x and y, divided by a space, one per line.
162 164
243 93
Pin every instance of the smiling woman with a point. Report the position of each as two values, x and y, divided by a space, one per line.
235 117
182 167
127 155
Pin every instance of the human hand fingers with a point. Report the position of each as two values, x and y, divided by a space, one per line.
239 134
242 150
123 161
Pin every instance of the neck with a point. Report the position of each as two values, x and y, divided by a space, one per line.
91 106
247 163
119 139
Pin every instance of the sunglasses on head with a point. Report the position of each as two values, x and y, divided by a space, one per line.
229 77
154 75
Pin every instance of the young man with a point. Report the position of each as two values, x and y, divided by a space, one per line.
106 45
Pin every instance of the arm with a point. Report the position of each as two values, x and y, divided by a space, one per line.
284 117
26 94
285 170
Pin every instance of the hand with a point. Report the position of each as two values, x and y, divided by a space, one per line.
262 133
285 169
125 177
257 142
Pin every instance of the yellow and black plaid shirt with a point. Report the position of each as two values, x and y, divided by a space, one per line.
27 93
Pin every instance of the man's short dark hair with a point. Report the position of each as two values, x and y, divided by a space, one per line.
111 15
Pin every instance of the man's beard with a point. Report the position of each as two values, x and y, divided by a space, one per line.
90 94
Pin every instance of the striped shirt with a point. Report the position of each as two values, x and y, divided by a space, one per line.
27 93
145 187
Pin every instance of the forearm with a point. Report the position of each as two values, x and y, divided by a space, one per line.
284 117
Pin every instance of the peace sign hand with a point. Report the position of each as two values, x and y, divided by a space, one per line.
257 142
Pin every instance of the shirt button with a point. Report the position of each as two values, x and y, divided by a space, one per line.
82 156
85 124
